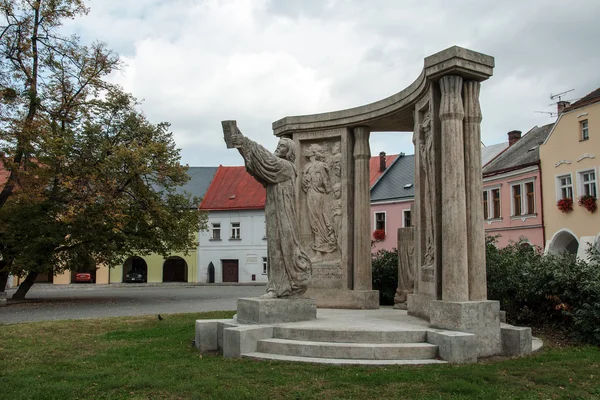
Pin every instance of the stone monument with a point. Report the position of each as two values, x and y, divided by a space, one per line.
318 217
289 266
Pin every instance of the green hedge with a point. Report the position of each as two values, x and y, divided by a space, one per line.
533 289
539 289
385 275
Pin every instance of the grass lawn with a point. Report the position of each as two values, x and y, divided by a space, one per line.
141 357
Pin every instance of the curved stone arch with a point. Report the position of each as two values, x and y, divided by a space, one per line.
175 269
395 113
135 263
564 239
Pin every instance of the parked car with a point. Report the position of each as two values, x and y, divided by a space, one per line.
84 277
135 276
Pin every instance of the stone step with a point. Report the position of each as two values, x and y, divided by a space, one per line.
350 336
338 361
365 351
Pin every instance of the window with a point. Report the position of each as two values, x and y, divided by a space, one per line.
491 203
530 199
235 230
216 231
265 265
406 220
380 220
516 196
584 130
523 198
588 183
565 187
496 203
485 205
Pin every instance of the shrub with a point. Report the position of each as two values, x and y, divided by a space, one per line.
539 289
385 275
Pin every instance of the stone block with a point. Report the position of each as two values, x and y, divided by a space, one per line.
3 300
502 317
240 340
455 347
271 311
516 341
342 298
207 334
418 305
479 317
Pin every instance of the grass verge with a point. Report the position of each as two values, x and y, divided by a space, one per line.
144 358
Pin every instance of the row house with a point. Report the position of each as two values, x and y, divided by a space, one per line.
512 187
570 160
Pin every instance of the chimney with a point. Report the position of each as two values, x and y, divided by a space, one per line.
561 105
513 137
382 165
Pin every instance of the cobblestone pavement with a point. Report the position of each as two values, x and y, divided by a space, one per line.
76 301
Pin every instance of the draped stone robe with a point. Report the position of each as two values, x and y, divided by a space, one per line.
289 266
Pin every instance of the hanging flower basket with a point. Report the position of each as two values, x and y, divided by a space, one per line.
589 202
379 234
565 205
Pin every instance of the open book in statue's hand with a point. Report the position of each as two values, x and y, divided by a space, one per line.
229 131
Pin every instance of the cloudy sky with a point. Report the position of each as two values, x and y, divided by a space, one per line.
197 62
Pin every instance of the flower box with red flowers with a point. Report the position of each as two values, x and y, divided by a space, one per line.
379 234
589 202
565 205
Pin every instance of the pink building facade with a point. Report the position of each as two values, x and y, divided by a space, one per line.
513 207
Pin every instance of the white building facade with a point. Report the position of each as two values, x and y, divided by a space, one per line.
236 245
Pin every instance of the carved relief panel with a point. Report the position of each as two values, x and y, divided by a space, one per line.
427 198
323 204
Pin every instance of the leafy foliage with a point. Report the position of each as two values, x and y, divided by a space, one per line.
385 275
536 289
91 180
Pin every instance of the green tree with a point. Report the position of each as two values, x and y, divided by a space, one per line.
91 179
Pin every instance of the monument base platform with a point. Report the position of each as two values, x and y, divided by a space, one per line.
272 311
481 318
365 337
342 298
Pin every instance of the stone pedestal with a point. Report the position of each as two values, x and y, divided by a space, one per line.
271 311
481 318
341 298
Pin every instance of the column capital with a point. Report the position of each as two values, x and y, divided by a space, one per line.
451 106
471 101
361 142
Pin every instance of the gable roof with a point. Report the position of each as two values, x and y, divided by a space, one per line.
488 153
200 179
590 98
524 152
392 183
233 188
374 172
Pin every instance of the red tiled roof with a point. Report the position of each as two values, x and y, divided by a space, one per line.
232 188
374 172
586 100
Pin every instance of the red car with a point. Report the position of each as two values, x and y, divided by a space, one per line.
84 277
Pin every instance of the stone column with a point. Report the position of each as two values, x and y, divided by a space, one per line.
455 281
474 190
362 206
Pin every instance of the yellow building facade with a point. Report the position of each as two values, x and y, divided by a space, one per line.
570 161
